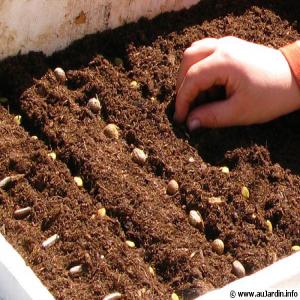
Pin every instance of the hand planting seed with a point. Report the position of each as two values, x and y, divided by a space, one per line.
174 296
196 219
238 269
78 181
172 187
218 246
75 270
94 105
113 296
245 192
134 84
139 156
50 241
270 226
3 100
52 155
18 119
22 212
224 170
296 248
4 182
111 131
130 244
215 200
60 75
101 212
118 62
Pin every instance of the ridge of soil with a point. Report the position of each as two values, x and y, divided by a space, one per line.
135 196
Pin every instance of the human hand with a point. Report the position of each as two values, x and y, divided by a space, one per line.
258 81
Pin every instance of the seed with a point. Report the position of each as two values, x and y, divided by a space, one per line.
118 61
139 156
52 155
130 244
50 241
18 119
3 100
215 200
22 212
218 246
134 84
4 182
238 269
270 226
296 248
174 296
34 137
60 75
111 131
94 105
196 219
76 269
151 271
172 187
78 181
191 159
224 170
245 192
101 212
113 296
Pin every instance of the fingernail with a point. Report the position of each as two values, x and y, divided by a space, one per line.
193 124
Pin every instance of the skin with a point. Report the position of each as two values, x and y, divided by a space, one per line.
258 81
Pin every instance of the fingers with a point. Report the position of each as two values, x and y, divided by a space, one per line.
200 77
198 51
215 114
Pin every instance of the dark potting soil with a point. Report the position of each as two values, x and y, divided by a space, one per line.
264 158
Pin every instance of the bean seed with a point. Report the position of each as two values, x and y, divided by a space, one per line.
270 226
224 170
101 212
151 271
296 248
134 84
191 159
52 155
139 156
50 241
60 75
218 246
130 244
22 212
4 182
113 296
196 219
245 192
215 200
238 269
174 296
34 137
78 181
18 119
111 131
94 105
76 269
172 187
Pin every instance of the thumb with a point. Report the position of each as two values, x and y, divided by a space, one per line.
216 114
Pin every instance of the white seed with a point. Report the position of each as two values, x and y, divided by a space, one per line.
60 75
191 159
50 241
245 192
295 248
224 170
22 212
76 269
215 200
139 156
18 119
134 84
174 296
118 61
172 187
270 226
101 212
151 271
111 131
196 219
218 246
113 296
94 105
34 137
4 182
52 155
130 244
238 269
78 181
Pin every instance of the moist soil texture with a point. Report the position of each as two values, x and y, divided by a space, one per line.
144 246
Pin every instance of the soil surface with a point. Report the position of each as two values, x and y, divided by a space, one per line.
170 255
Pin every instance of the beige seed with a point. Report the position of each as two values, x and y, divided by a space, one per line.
5 181
134 84
18 119
76 269
139 156
130 244
245 192
118 61
151 271
218 246
101 212
22 212
174 296
172 187
215 200
113 296
224 170
52 155
111 131
238 269
60 75
50 241
270 226
78 181
34 137
94 105
191 159
196 219
295 248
